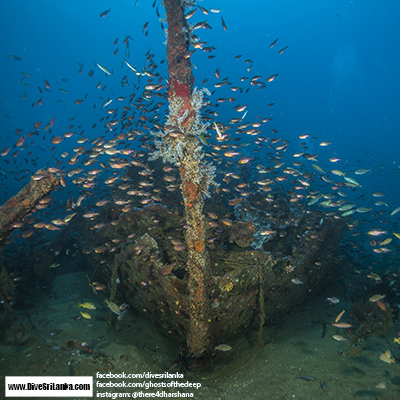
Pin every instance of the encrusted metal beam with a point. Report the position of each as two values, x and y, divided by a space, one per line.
180 145
20 205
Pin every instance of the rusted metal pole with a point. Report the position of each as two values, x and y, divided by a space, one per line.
20 205
180 145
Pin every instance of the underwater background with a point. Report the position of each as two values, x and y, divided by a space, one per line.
321 79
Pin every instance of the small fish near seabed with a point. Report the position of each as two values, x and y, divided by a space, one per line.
308 378
387 357
337 319
116 309
332 300
339 338
55 332
342 325
377 297
86 315
223 347
88 305
113 306
297 281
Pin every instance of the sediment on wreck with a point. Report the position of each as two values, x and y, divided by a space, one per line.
280 271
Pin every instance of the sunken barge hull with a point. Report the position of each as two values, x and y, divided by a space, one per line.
255 277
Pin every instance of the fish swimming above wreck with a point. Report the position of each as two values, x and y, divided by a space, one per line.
177 182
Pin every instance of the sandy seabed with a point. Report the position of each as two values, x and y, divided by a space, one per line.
299 359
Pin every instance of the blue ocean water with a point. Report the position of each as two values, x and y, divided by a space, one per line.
337 82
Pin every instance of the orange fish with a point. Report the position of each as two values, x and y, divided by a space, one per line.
337 319
382 305
56 140
5 151
234 202
20 141
167 269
